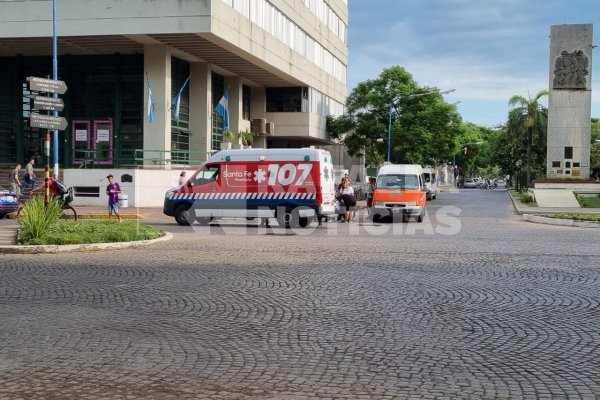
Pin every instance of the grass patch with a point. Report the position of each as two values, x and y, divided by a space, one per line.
523 197
589 201
576 217
94 231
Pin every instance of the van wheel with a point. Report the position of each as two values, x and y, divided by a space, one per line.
376 218
182 215
203 220
421 215
435 195
284 217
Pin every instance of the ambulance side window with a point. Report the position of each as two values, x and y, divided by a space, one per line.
207 175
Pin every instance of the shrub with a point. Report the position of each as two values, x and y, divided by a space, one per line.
36 218
247 137
526 198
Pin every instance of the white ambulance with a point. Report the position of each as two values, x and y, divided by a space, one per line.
293 185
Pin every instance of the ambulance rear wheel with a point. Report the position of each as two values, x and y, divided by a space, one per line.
297 220
183 215
285 217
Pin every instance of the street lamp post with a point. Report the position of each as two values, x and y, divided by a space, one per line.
389 143
529 137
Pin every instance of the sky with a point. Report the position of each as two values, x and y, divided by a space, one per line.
487 50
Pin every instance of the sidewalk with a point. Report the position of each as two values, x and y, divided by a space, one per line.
522 208
150 213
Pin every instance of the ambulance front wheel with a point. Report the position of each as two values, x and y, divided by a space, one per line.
182 215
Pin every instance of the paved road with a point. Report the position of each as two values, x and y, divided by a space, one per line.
472 303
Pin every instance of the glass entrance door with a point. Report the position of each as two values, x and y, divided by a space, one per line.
81 139
103 142
92 142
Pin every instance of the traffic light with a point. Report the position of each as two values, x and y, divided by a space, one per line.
465 150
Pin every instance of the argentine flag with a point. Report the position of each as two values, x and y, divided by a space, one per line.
223 110
150 110
177 102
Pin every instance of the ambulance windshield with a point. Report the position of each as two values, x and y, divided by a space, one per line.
207 174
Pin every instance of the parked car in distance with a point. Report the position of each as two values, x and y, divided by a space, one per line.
9 202
470 183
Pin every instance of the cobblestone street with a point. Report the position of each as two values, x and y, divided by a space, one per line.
493 308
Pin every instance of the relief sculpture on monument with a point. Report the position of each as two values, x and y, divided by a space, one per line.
570 70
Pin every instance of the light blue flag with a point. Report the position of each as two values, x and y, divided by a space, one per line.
223 110
177 101
150 110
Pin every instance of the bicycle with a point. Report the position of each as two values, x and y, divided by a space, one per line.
359 193
65 199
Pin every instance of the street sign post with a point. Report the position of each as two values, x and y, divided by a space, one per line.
46 85
48 103
53 104
47 122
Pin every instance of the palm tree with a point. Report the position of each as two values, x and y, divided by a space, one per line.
531 114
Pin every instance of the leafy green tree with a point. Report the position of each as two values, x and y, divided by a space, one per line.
423 125
595 149
528 120
595 129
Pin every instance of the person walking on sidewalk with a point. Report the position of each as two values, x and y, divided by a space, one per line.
13 180
112 190
29 178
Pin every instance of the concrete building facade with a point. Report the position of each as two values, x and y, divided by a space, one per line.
282 64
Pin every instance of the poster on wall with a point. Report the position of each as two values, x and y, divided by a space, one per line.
81 135
102 136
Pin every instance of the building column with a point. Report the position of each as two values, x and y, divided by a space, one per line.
200 110
157 135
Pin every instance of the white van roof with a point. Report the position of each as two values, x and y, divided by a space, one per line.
302 154
401 169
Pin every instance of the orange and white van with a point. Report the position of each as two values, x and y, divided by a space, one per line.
400 190
293 185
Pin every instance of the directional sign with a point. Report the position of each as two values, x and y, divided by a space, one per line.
48 103
46 85
47 122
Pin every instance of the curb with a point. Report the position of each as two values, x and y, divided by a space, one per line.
560 222
70 248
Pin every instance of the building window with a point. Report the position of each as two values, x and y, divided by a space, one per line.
555 164
286 99
180 129
569 152
246 94
217 88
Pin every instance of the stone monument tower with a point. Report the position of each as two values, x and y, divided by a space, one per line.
570 101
